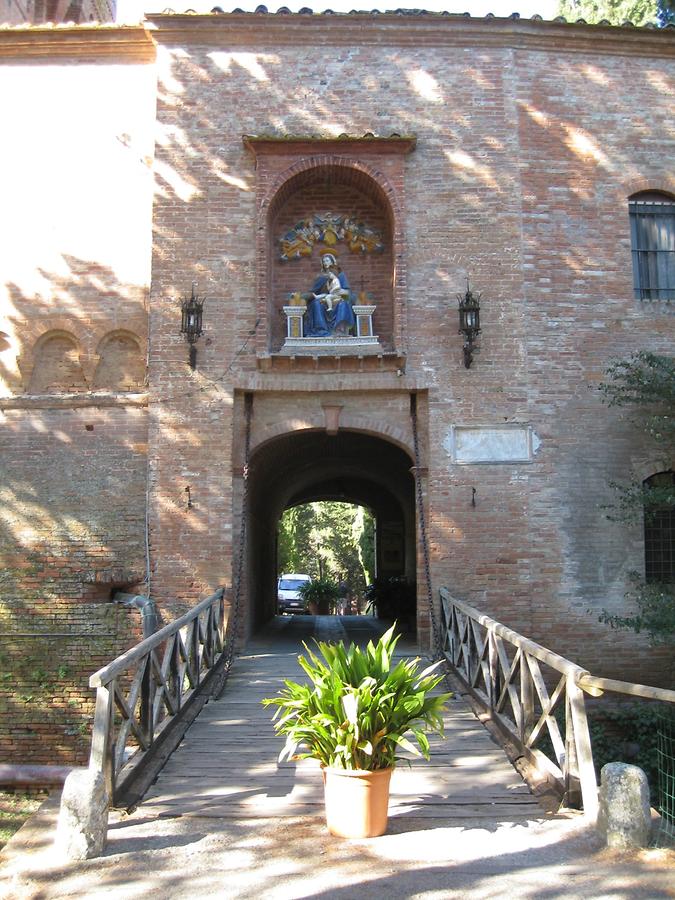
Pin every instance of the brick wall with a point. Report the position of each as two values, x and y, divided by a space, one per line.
71 532
526 153
73 410
529 137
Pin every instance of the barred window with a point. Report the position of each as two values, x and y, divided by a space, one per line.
660 529
652 229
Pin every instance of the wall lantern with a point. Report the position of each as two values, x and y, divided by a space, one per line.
469 321
191 325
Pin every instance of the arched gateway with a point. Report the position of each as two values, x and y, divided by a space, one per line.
331 409
312 464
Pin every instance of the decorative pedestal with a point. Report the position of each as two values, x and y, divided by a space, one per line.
294 321
364 340
364 320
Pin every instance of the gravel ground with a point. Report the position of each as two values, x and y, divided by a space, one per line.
290 859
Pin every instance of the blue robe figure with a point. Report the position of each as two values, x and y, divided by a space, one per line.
329 308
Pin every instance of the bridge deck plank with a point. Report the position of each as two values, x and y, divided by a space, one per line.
226 766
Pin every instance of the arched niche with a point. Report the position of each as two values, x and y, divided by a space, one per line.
57 367
359 177
344 193
121 366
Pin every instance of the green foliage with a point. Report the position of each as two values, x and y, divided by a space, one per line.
29 671
635 501
293 539
629 733
327 539
616 12
364 533
392 598
645 382
358 707
656 611
321 591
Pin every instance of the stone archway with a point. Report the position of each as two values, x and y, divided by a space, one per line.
299 467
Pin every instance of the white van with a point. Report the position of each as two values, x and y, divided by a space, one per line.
288 593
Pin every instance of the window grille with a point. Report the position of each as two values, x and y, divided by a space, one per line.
652 228
660 533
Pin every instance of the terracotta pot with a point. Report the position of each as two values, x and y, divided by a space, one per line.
356 801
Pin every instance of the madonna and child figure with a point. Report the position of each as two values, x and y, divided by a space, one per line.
329 307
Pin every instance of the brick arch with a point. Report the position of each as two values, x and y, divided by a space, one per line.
121 366
363 178
355 172
119 333
661 184
316 422
295 460
376 428
57 366
653 465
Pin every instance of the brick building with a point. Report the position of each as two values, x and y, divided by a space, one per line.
420 150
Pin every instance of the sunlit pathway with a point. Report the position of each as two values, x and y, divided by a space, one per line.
227 764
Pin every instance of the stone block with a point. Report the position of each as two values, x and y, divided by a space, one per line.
82 825
624 817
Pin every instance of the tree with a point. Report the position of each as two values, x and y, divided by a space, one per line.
646 382
293 538
616 12
327 540
364 529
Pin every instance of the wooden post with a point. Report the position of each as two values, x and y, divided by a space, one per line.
101 755
526 697
147 696
174 673
193 649
493 663
584 753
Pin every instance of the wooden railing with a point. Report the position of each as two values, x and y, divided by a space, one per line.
521 684
147 697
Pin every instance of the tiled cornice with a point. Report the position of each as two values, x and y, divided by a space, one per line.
390 29
136 43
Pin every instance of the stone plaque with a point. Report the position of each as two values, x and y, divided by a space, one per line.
491 444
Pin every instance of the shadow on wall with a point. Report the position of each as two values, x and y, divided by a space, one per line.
72 503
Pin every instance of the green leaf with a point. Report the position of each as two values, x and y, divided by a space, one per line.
358 709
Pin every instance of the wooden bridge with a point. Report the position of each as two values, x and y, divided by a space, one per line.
152 747
222 819
226 766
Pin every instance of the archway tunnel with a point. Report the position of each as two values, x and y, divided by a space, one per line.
351 467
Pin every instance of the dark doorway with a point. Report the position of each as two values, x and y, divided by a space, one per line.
307 466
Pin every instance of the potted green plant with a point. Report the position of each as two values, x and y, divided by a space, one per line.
354 717
318 595
391 598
